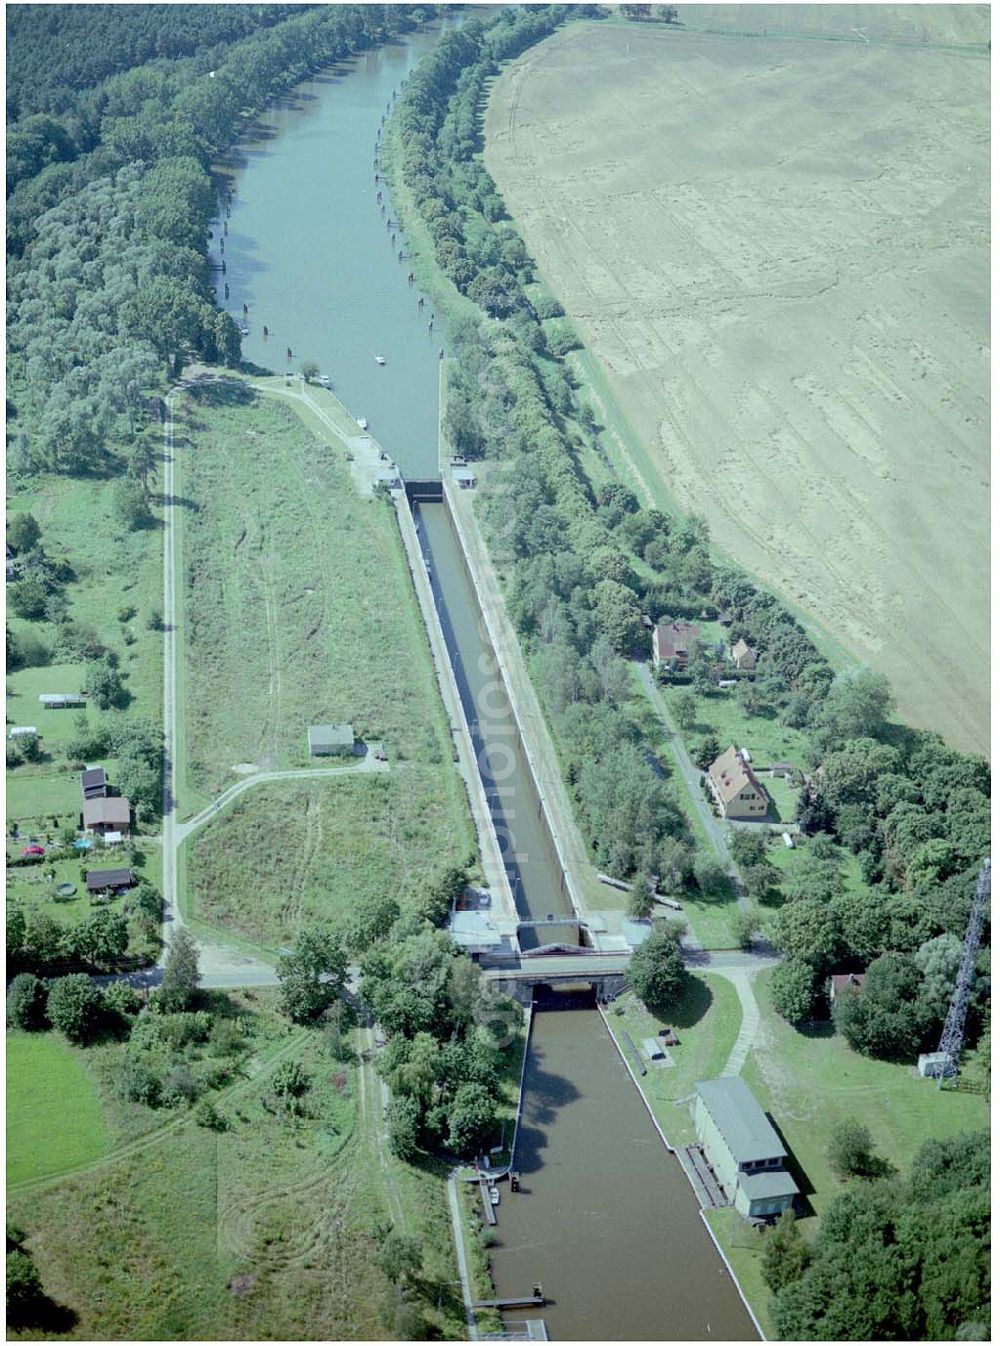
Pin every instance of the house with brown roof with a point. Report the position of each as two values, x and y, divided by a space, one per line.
737 791
107 815
744 656
109 880
672 642
844 981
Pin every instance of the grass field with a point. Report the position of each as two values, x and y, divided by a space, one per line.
786 294
707 1020
269 1229
298 602
54 1115
811 1081
292 852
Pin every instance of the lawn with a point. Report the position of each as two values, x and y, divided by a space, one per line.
766 738
707 1022
269 1229
296 851
298 601
811 1081
54 1116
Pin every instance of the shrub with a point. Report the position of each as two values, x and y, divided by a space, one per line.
123 999
208 1116
26 998
851 1152
137 1083
74 1006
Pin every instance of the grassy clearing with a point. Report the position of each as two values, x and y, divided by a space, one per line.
54 1116
810 1081
767 739
292 852
707 1021
268 1230
789 862
298 602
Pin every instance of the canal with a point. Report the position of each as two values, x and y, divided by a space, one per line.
606 1220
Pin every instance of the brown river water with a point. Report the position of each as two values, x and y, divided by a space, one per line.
606 1220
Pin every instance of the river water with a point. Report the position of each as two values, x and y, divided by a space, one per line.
606 1220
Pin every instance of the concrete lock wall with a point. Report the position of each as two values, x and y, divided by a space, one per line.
530 785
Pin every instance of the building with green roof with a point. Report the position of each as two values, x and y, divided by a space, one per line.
743 1148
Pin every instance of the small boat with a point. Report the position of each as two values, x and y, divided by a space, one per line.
380 359
363 422
495 1196
324 380
244 330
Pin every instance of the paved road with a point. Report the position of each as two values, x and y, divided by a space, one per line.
691 776
463 1268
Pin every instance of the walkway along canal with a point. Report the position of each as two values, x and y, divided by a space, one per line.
605 1219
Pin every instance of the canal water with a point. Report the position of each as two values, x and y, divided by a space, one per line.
605 1220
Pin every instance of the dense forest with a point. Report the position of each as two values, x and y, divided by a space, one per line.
897 1258
586 565
109 199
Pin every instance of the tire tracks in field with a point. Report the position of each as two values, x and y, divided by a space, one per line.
155 1137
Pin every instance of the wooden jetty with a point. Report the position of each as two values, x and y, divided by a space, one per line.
489 1211
533 1300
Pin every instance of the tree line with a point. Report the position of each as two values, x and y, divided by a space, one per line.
584 567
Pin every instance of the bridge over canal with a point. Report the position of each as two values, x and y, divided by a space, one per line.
603 972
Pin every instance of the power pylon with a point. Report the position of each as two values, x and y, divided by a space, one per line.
953 1033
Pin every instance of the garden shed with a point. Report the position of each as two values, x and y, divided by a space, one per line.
331 740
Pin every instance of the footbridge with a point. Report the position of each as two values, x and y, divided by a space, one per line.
521 978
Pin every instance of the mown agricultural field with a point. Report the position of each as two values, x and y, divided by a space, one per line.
298 606
296 852
776 247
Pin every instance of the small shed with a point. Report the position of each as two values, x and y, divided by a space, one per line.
653 1049
103 815
463 477
845 982
60 700
331 740
109 880
744 656
94 782
474 932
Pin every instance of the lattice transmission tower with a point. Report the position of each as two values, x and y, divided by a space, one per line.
952 1035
